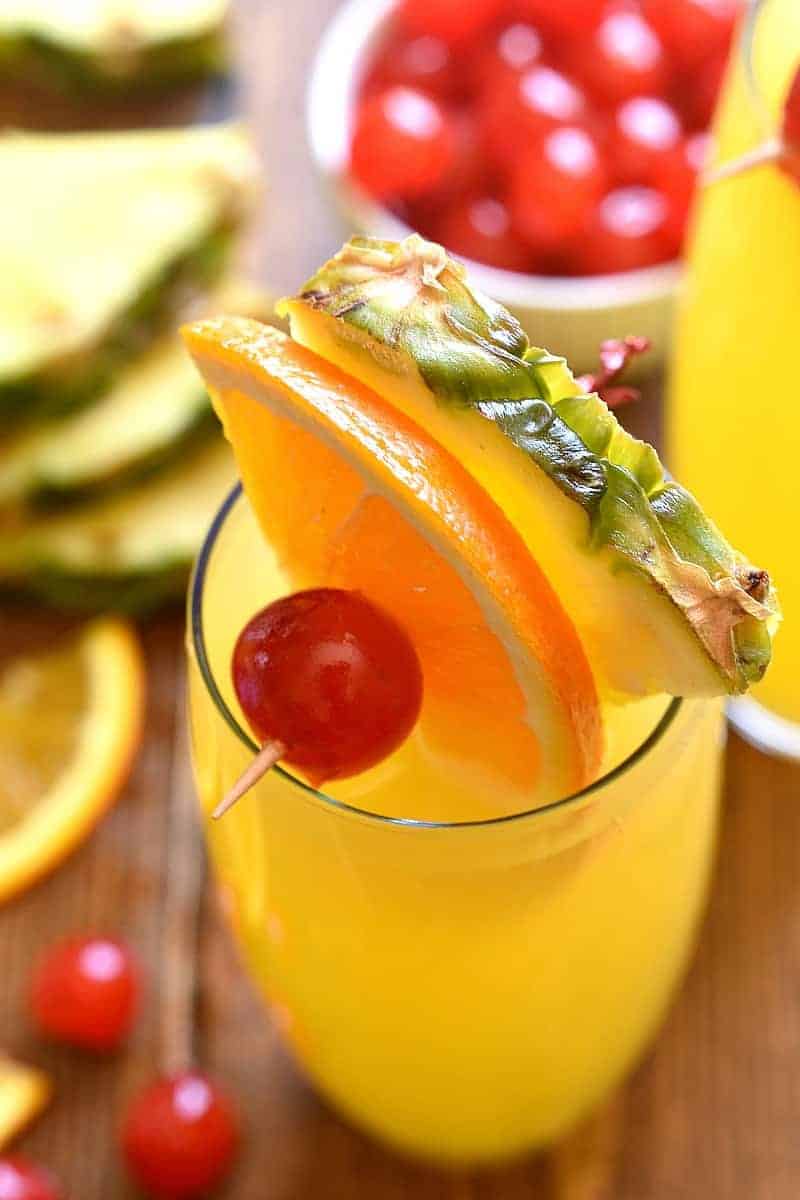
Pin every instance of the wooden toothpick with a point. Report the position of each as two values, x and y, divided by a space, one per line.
264 761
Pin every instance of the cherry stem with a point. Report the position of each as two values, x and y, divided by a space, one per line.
768 152
264 761
184 884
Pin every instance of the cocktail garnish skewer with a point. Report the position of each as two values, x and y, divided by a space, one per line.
264 761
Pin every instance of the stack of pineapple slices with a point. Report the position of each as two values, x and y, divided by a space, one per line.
111 465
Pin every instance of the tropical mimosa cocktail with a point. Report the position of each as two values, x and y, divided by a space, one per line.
469 942
464 992
732 392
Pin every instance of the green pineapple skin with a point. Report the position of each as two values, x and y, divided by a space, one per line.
54 393
83 75
47 494
80 560
470 352
136 594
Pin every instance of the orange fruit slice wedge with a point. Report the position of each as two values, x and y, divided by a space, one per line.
70 722
24 1092
350 492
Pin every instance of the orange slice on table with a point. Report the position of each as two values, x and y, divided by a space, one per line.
70 722
24 1092
350 492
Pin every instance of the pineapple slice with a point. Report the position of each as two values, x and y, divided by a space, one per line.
661 601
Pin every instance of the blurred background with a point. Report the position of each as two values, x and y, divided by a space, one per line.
273 131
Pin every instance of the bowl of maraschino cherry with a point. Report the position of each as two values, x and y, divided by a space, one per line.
553 144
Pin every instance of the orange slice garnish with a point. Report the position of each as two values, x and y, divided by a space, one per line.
350 492
70 722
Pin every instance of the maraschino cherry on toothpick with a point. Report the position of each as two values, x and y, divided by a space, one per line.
783 150
328 681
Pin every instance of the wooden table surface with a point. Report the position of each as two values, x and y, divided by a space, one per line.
713 1113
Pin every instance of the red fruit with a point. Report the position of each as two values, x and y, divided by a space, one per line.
179 1136
479 227
556 186
698 91
646 130
624 57
790 130
523 109
629 229
423 62
566 18
791 114
676 177
22 1179
452 20
513 49
85 992
694 30
403 143
468 175
331 677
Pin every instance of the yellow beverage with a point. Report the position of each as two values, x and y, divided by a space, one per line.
734 380
465 992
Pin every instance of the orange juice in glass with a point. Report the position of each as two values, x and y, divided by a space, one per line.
468 944
465 991
732 387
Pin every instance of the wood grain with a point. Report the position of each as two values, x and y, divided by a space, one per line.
713 1112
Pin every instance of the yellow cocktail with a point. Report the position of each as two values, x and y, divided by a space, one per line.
468 943
733 390
465 992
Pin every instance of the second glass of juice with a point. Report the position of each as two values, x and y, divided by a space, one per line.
733 396
464 988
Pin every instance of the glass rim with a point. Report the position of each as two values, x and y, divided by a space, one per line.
196 591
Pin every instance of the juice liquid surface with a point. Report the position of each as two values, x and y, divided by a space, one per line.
733 395
464 993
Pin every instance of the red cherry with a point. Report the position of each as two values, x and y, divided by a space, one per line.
179 1136
331 677
452 20
697 92
513 49
22 1179
624 57
790 130
556 186
524 108
676 176
468 175
694 30
791 114
566 18
423 62
645 130
85 992
403 143
479 227
629 229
